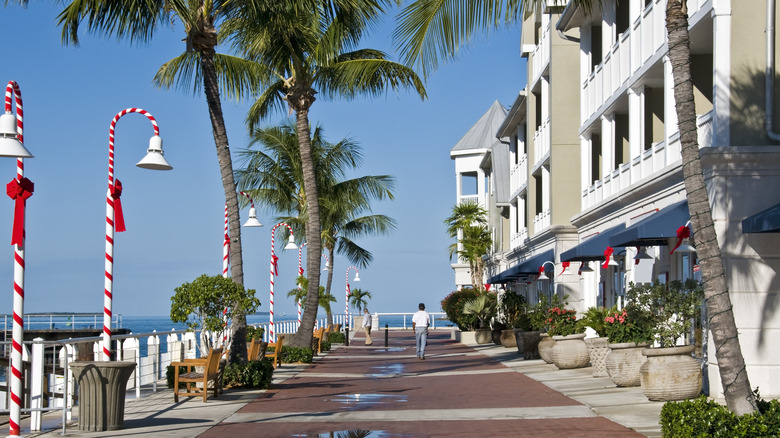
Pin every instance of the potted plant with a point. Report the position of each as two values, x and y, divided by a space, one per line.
484 309
569 350
538 316
670 371
629 332
598 348
453 304
512 310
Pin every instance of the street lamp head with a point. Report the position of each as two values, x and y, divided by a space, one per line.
327 267
154 158
252 221
10 146
357 276
291 243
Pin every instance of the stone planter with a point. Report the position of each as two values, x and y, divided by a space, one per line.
495 335
670 374
546 344
483 336
570 352
623 363
598 350
102 387
508 339
528 343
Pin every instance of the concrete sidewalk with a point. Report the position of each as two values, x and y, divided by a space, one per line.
480 390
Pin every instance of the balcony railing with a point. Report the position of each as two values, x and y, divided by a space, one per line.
540 57
518 176
518 239
658 157
542 221
542 142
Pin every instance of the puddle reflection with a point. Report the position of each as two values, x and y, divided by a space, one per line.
356 433
386 370
367 399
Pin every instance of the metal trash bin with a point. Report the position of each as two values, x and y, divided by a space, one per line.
102 388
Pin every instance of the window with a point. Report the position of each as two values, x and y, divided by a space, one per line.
468 184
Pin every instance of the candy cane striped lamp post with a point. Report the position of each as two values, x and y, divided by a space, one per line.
153 160
356 279
19 189
274 272
300 272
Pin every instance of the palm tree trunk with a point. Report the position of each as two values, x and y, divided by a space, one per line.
331 256
731 364
211 88
313 237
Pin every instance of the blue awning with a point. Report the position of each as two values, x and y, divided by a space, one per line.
593 248
656 229
527 267
767 221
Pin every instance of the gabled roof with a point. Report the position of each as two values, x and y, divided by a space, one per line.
482 135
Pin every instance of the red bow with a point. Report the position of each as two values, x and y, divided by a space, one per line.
227 244
487 287
682 233
300 271
274 264
541 270
607 254
119 218
579 271
565 265
19 190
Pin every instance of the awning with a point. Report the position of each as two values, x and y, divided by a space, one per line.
593 248
767 221
656 229
527 267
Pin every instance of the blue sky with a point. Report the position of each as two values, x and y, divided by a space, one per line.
175 219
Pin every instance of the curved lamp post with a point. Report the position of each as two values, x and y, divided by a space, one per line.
153 160
346 305
300 272
274 272
19 189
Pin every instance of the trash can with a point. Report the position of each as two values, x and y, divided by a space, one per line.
102 387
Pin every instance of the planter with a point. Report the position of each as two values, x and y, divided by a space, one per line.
102 387
670 374
528 343
570 352
483 336
495 336
623 363
598 349
508 338
546 344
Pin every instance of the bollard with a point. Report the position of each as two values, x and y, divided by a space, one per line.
386 334
346 336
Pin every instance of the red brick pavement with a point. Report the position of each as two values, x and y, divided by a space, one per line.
455 392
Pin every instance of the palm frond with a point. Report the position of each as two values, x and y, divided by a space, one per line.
373 77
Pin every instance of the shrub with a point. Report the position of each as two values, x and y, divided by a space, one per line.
702 418
563 322
297 354
453 304
254 333
336 338
325 345
628 325
252 374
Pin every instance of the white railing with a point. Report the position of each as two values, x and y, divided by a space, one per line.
518 239
518 176
658 157
63 321
542 142
404 320
542 221
540 57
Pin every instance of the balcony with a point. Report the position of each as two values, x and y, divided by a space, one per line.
518 176
658 157
518 239
542 221
540 56
645 38
541 142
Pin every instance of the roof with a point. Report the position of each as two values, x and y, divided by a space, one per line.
767 221
483 134
515 117
655 230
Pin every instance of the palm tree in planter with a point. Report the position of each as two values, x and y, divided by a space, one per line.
433 32
468 223
311 51
484 308
359 299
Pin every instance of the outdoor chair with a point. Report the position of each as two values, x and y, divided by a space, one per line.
276 354
316 344
192 378
256 349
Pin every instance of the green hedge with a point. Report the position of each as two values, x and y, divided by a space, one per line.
336 337
704 418
252 374
297 354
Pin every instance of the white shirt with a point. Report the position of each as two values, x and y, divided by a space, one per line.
421 319
366 320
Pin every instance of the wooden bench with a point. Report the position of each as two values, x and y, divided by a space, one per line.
316 344
191 378
256 349
276 355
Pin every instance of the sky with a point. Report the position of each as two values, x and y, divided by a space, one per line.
175 219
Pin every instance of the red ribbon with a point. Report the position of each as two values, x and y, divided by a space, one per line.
19 190
227 243
300 270
636 261
119 218
579 271
274 260
487 287
541 270
682 233
565 265
607 254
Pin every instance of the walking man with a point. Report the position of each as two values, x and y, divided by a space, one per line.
367 325
420 322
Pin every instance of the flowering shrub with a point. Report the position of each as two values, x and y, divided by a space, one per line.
620 327
562 322
453 304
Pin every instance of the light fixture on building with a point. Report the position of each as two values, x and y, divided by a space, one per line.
585 267
642 254
542 275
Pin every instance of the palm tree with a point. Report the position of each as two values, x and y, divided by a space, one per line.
359 299
275 178
430 30
467 223
211 73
